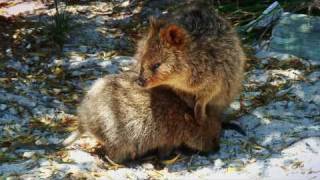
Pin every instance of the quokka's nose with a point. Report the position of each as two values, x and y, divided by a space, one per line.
141 81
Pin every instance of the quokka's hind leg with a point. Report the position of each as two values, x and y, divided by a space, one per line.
207 138
216 112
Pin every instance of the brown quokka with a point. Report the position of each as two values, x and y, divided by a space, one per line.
130 121
195 52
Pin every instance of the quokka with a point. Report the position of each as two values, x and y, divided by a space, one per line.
130 121
198 54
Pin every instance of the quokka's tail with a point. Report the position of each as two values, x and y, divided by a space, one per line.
72 138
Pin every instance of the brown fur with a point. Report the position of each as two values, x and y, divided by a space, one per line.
130 121
198 54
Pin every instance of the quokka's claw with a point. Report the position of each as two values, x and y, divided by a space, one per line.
113 165
171 161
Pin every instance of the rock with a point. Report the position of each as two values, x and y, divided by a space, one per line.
125 3
313 77
100 20
238 164
105 64
235 105
44 162
36 58
268 16
259 77
7 169
4 149
18 99
297 34
13 111
81 157
3 107
52 76
290 74
125 69
201 161
83 49
57 62
76 58
86 63
28 154
28 46
296 161
148 166
263 54
21 8
54 140
18 66
41 141
77 73
307 93
124 60
56 90
9 118
219 163
113 69
9 52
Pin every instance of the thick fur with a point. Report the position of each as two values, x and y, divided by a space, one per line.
130 121
197 53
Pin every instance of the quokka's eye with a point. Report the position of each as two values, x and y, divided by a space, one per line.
154 67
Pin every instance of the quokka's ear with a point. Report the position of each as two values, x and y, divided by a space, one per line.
174 35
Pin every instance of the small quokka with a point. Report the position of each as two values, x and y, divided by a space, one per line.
130 121
197 53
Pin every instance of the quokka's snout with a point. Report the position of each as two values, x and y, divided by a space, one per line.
141 81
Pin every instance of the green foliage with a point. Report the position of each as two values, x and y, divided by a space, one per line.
58 31
6 157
